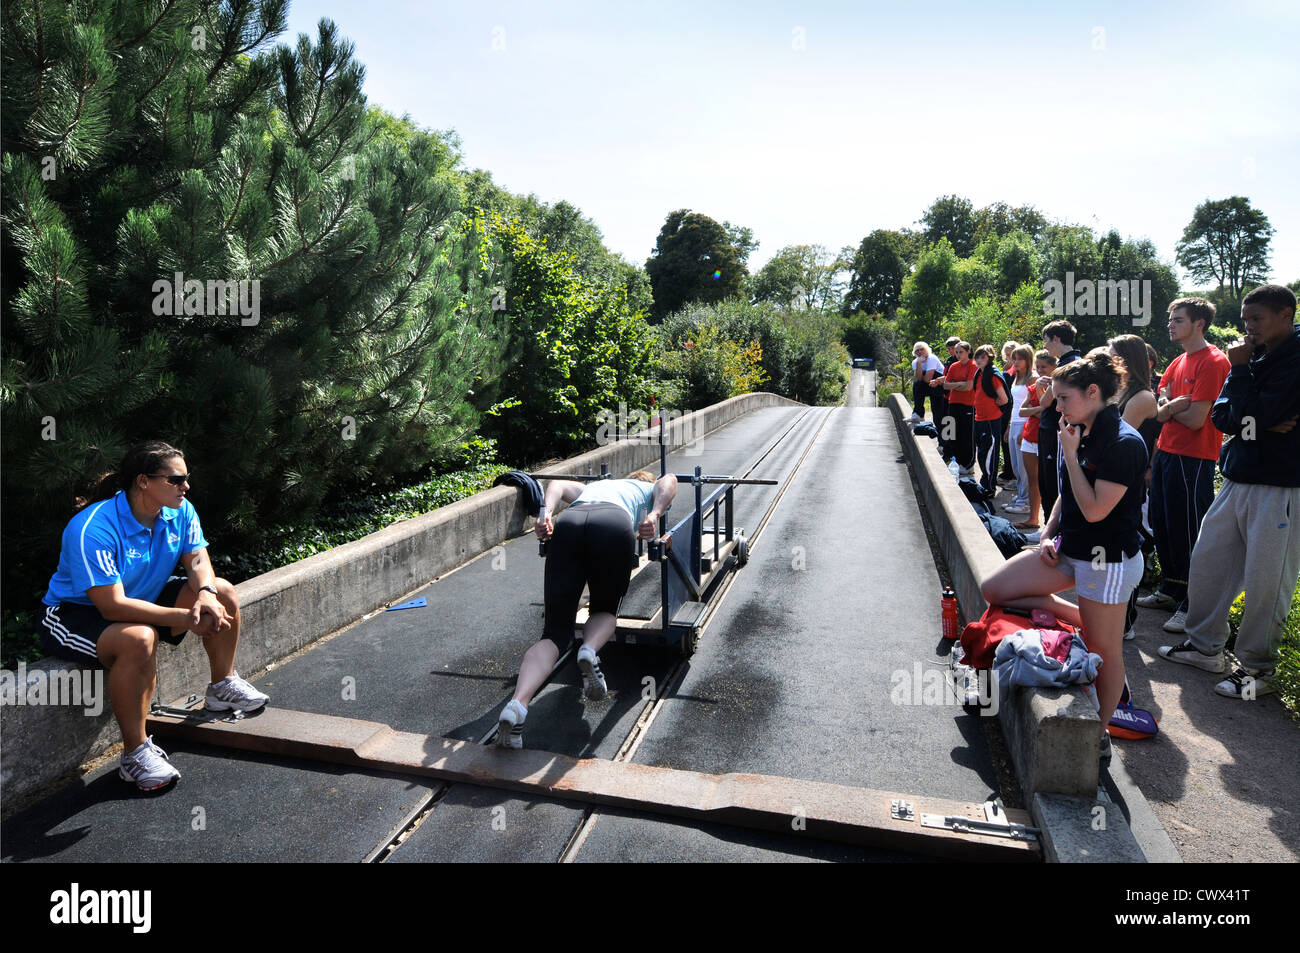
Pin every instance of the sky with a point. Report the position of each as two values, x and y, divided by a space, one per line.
816 123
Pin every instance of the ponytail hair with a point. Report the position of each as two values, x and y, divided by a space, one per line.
1132 353
144 458
1099 368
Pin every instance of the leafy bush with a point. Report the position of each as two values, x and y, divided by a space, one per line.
1287 678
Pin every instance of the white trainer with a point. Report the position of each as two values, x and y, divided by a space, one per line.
148 766
510 726
1177 622
232 693
593 682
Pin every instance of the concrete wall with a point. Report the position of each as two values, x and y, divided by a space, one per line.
1052 734
295 605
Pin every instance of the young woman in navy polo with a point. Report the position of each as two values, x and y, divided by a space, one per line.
113 596
1092 541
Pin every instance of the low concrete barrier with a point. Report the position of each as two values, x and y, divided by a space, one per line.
1052 734
288 608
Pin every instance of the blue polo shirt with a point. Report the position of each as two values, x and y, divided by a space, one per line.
105 544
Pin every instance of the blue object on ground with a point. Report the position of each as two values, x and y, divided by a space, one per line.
413 604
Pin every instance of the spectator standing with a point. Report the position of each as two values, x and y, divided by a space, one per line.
1250 537
1022 363
1182 472
1044 365
925 367
1058 340
990 398
959 383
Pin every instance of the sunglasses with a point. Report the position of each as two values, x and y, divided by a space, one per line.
175 479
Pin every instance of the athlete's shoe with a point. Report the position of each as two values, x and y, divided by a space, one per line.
1188 654
148 766
510 727
914 419
1247 683
1130 635
1158 600
593 682
232 693
1016 508
1176 622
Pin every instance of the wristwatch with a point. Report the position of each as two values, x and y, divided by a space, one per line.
210 588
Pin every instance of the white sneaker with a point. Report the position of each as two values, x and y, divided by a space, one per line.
1186 653
232 693
510 726
593 682
1157 600
1177 622
1016 508
148 766
1247 683
914 419
1130 635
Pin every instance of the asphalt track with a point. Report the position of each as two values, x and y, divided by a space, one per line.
794 674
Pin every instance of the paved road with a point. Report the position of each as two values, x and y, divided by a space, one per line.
793 677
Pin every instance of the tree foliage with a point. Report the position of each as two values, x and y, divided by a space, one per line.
1226 242
877 270
694 260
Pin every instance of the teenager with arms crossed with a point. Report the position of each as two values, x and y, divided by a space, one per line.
1182 471
990 398
113 596
959 420
1044 365
1096 519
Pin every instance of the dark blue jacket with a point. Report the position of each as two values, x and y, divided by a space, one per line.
1266 392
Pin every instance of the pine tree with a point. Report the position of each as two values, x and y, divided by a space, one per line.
330 319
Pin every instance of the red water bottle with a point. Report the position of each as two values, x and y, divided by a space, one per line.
949 604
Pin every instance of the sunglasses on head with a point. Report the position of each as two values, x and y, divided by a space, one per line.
175 479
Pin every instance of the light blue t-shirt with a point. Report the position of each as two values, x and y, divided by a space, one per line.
105 543
635 496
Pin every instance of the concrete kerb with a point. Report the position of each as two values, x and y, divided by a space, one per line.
288 608
1052 735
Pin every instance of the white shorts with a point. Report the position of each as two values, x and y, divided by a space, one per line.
1027 447
1107 583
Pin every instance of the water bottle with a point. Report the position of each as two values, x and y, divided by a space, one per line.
949 607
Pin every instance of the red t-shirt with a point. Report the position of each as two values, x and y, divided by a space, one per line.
1200 375
986 407
962 372
1030 433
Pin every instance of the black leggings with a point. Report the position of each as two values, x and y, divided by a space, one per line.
963 430
593 545
920 391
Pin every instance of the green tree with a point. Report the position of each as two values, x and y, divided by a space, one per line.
1226 242
951 217
146 141
694 260
799 276
931 293
878 269
574 348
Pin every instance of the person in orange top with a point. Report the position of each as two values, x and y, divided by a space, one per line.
1182 472
959 423
990 398
1044 365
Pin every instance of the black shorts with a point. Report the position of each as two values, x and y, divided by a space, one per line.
593 544
71 631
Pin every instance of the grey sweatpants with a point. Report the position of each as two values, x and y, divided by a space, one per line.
1250 539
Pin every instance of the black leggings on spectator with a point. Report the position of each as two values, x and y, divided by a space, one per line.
593 545
920 391
1048 488
963 430
988 438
